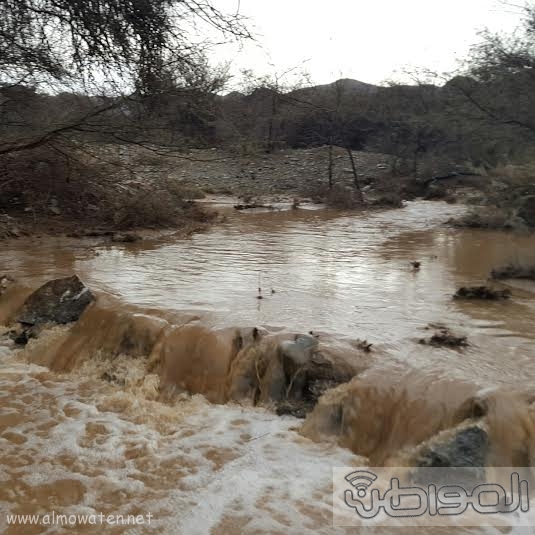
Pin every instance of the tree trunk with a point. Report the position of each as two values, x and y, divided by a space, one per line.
271 125
331 165
355 175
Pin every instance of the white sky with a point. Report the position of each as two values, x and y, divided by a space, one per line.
368 40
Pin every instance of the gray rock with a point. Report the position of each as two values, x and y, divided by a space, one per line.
300 350
467 448
58 301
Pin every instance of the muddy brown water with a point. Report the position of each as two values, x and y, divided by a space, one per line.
73 443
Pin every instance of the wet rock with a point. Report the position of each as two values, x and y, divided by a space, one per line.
468 447
297 409
514 272
482 292
293 373
127 237
58 301
445 338
299 350
307 373
22 336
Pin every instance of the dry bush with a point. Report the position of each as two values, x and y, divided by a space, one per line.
83 188
181 190
483 217
144 209
162 203
515 174
339 196
9 228
46 180
316 190
343 197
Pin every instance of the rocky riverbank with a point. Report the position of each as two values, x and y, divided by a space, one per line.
138 190
151 191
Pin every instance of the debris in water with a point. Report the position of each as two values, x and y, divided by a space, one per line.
514 272
445 338
482 292
416 265
127 237
252 206
363 345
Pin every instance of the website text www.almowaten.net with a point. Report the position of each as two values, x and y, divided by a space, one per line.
55 519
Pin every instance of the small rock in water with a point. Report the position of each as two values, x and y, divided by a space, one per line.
363 345
445 338
20 338
298 409
482 292
514 272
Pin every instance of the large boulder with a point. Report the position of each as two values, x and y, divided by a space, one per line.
465 448
58 301
291 372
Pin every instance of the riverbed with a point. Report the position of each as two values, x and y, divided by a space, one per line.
72 442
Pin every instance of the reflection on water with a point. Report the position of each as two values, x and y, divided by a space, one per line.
346 274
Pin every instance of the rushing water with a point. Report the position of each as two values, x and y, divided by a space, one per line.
75 443
349 275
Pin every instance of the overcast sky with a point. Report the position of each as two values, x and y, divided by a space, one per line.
368 40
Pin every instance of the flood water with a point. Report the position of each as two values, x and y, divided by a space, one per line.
72 442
